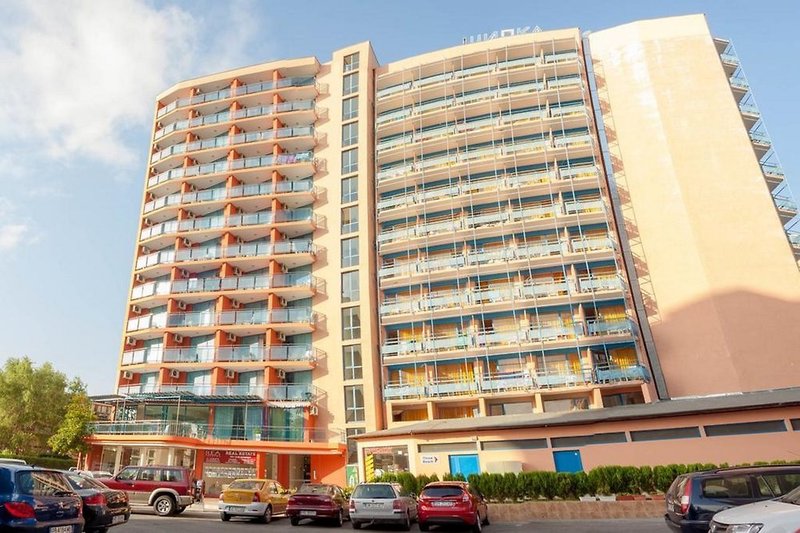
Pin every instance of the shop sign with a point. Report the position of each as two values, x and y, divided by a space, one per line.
230 457
429 459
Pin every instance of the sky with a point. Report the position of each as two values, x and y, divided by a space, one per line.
78 81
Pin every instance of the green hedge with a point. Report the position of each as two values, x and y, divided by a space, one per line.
551 485
59 463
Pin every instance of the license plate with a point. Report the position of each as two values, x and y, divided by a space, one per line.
235 508
308 513
120 518
443 504
373 505
61 529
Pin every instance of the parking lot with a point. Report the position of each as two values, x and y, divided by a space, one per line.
197 522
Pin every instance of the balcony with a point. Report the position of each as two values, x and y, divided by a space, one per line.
299 354
761 142
729 59
272 318
206 432
773 175
242 90
244 164
526 337
304 189
750 113
522 382
740 87
241 114
303 393
787 208
406 173
234 283
794 240
501 220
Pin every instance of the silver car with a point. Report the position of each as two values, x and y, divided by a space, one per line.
384 503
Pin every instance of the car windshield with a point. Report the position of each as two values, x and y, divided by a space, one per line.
442 492
82 482
792 497
379 492
314 489
246 485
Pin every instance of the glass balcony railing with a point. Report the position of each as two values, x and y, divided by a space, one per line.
233 283
491 218
233 140
794 238
786 204
156 258
516 381
740 83
244 163
303 214
260 316
750 110
772 171
240 191
203 253
255 432
480 70
298 353
504 148
242 90
600 283
534 334
226 116
729 59
760 139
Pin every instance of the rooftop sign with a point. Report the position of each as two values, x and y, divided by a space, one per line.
497 34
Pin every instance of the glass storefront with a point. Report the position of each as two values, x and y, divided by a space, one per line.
385 460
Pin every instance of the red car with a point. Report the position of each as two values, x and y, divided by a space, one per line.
452 503
317 501
169 489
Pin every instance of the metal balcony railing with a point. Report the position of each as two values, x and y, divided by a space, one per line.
302 393
254 432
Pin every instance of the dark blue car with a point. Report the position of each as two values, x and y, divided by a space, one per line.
33 499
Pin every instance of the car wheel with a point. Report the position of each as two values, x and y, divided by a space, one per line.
356 525
224 517
266 518
406 526
340 519
294 520
477 527
424 527
486 519
164 506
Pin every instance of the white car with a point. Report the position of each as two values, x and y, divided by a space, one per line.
781 515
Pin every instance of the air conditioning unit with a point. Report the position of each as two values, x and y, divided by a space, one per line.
282 337
313 410
284 269
239 240
230 374
177 338
130 341
145 250
187 243
189 215
237 271
148 222
139 278
181 305
185 273
283 236
127 374
283 302
175 373
235 304
281 373
136 309
231 337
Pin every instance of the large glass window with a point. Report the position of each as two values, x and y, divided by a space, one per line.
350 287
352 445
350 161
350 189
354 403
353 368
349 252
350 134
351 323
350 84
349 219
351 62
350 108
387 460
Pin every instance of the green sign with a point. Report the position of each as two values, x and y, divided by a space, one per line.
351 471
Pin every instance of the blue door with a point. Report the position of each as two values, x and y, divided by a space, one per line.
464 465
568 461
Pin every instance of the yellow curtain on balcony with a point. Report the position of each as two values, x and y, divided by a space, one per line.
624 357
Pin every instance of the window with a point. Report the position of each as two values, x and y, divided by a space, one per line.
665 434
350 134
33 483
349 252
779 484
354 403
350 219
352 362
127 474
351 62
350 84
350 189
352 446
727 487
745 428
351 323
350 108
350 161
350 289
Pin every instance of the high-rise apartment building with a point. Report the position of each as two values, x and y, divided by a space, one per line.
531 225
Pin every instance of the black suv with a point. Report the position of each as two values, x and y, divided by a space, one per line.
693 499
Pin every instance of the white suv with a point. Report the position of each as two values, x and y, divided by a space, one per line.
781 515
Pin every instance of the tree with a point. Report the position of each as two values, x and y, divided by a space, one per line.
70 438
33 401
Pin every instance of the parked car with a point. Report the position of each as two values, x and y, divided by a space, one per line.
317 501
253 498
10 461
452 503
102 507
781 515
168 489
382 503
38 500
693 499
101 474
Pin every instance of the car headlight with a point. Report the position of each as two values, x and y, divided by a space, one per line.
745 528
